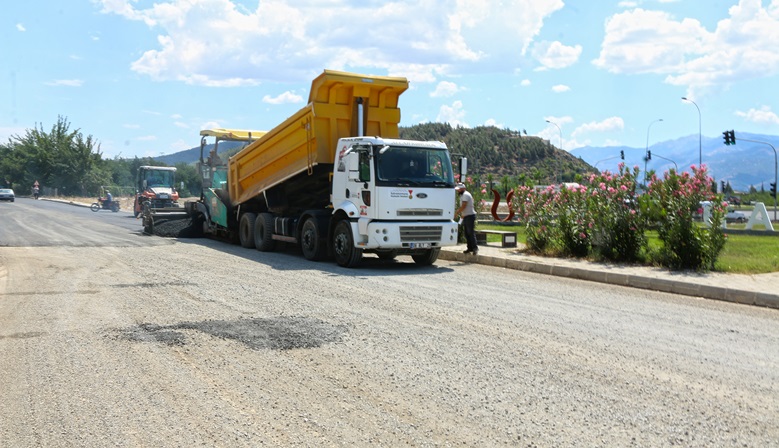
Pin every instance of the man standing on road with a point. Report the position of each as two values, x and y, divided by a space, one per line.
468 213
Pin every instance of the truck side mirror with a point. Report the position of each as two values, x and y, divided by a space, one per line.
353 165
463 166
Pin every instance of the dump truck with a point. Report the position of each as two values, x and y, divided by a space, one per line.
333 178
156 198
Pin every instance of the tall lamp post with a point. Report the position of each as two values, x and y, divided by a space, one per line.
646 156
561 142
700 141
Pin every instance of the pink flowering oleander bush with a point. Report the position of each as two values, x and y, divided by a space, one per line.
672 202
606 217
574 221
535 209
619 227
556 220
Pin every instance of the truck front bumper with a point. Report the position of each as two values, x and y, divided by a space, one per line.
404 235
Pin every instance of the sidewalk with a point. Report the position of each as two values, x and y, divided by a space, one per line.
760 289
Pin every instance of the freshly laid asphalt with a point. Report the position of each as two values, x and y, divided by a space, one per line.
758 289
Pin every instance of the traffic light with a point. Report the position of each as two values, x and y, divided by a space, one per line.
649 155
622 154
773 189
729 137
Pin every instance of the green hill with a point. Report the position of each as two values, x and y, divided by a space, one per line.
502 152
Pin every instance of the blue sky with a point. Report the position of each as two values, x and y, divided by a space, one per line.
143 77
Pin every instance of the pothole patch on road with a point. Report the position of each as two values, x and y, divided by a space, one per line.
274 333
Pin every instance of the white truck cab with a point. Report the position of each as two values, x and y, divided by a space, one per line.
397 194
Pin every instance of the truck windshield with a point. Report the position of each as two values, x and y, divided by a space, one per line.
160 178
413 166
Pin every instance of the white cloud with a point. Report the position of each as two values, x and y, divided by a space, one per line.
764 115
65 83
444 89
284 98
221 43
147 138
180 124
740 48
560 88
20 27
525 83
454 114
608 125
493 122
555 55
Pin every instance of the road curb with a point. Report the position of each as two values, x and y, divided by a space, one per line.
686 288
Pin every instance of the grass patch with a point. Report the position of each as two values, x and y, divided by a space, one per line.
743 254
749 254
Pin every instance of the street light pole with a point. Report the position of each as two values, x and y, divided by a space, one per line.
561 141
646 155
700 139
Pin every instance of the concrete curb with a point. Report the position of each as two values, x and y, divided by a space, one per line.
687 288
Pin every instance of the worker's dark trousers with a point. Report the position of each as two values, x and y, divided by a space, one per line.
469 225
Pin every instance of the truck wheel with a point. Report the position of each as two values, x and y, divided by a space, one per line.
426 258
346 254
246 230
263 233
313 240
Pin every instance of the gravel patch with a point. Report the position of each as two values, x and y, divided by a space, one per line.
277 333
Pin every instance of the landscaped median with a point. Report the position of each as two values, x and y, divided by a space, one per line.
742 254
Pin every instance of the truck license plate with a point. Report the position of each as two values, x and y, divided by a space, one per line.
420 245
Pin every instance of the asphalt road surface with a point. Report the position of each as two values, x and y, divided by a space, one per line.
112 338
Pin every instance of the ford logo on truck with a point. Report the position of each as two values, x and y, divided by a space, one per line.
421 195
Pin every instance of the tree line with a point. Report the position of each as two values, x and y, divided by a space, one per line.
68 163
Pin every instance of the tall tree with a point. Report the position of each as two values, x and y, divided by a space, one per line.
61 158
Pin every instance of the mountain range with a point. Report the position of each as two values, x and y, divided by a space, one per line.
743 165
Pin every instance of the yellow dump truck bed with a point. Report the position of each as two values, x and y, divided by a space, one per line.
308 138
